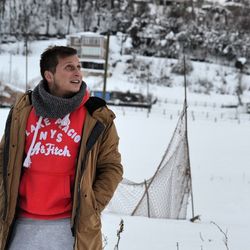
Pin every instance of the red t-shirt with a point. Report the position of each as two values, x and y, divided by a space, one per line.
45 190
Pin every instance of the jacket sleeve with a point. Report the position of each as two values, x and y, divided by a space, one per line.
1 177
109 170
2 145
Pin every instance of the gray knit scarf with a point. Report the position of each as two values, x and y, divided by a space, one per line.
50 106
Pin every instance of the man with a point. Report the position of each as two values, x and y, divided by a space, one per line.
59 162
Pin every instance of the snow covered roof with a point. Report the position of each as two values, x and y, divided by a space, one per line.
85 34
92 60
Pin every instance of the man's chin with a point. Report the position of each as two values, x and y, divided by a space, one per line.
72 92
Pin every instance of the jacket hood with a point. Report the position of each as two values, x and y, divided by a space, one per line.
104 115
23 100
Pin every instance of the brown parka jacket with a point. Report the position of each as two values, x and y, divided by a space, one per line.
98 171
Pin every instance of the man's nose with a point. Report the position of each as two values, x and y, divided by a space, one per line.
77 71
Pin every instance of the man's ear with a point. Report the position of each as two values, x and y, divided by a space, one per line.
48 76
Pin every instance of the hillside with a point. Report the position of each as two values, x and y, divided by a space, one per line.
218 131
209 82
219 153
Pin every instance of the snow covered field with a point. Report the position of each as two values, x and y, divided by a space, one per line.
221 183
219 154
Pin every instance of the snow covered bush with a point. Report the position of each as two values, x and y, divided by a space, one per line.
179 67
202 86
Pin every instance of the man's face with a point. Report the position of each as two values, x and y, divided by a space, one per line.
67 79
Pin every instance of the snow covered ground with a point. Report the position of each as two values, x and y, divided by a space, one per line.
219 154
220 159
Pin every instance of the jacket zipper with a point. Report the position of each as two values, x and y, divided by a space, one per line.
78 200
94 136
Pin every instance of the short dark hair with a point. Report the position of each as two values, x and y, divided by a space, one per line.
49 58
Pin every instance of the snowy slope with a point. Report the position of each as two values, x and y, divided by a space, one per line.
221 182
13 70
219 154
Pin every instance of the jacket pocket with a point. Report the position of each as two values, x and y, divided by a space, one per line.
2 232
44 194
89 219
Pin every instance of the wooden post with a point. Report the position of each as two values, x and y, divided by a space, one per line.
10 68
106 68
146 190
186 134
